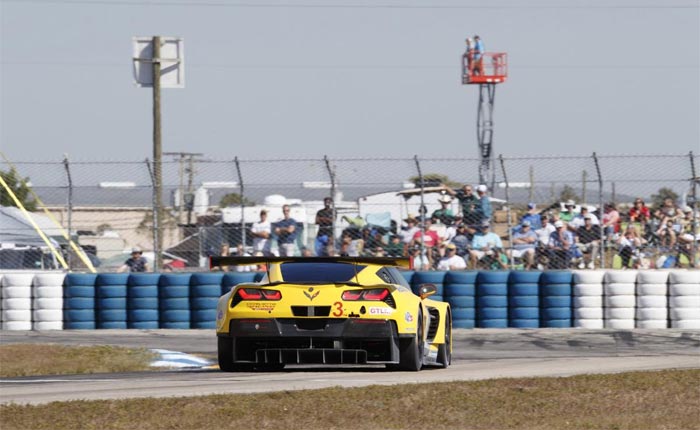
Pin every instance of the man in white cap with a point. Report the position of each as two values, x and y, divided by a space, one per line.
451 261
561 243
136 263
484 208
524 243
569 211
484 243
445 210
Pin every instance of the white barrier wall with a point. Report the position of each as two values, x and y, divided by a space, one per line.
684 299
588 299
620 299
652 300
17 301
47 293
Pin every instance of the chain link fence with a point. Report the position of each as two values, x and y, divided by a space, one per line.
211 205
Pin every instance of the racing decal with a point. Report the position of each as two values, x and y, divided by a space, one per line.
311 296
266 307
408 317
220 314
380 311
338 309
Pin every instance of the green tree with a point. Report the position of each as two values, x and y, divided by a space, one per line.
434 180
568 193
19 188
657 200
234 199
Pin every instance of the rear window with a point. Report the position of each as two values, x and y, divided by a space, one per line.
319 272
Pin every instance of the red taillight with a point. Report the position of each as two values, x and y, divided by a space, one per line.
377 294
256 294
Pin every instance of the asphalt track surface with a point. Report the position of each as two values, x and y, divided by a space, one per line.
477 354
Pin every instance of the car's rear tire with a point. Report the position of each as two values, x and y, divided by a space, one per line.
225 355
411 350
445 349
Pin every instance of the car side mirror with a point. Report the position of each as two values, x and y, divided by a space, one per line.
427 290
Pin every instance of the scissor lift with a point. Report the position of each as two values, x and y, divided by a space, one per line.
491 70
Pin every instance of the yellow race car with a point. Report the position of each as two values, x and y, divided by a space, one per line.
330 310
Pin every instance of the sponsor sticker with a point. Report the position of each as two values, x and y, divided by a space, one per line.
266 307
408 317
380 311
220 314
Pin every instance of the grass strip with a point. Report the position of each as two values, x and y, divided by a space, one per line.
638 400
49 359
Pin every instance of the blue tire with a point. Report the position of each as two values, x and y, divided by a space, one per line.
175 325
79 315
407 275
557 277
79 303
119 325
258 276
142 303
149 291
208 290
79 291
524 301
555 290
199 315
524 313
556 302
437 298
234 278
175 315
174 291
523 289
492 277
496 313
432 277
463 313
142 315
203 324
562 323
79 279
174 279
104 279
79 325
492 302
459 290
524 323
174 304
110 291
465 323
492 323
206 278
555 313
143 325
111 303
520 277
467 277
143 279
462 301
197 303
111 315
492 289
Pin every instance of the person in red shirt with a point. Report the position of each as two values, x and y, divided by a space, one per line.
639 212
430 240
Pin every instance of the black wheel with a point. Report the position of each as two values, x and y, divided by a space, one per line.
225 354
411 350
445 350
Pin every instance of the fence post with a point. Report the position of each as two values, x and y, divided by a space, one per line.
331 174
694 205
156 218
66 165
602 209
240 184
422 205
510 231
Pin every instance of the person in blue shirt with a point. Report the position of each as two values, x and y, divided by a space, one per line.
561 244
478 57
286 231
484 207
485 243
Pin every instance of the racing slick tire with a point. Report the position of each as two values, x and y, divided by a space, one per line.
225 355
445 350
411 350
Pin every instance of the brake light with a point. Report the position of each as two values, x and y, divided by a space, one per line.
376 294
258 294
272 294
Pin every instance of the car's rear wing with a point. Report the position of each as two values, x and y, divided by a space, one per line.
249 261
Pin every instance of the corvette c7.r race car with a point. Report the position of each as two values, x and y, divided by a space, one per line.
330 310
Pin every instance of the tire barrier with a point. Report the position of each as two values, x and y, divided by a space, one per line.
205 290
79 302
460 293
652 300
436 277
142 300
232 279
17 301
492 299
588 299
174 300
684 299
111 298
620 299
47 293
555 299
408 276
523 299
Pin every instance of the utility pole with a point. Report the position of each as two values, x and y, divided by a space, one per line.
185 195
157 155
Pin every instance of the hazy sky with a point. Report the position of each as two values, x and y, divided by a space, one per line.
298 78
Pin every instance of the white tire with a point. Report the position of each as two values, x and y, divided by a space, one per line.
588 302
49 279
581 290
652 302
48 315
652 289
652 324
684 290
17 304
618 289
589 276
620 276
48 325
17 279
685 314
48 303
16 315
17 325
691 324
652 277
684 302
16 292
588 313
589 323
48 292
652 314
619 313
684 277
621 324
620 301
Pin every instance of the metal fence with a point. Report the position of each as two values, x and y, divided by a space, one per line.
109 206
